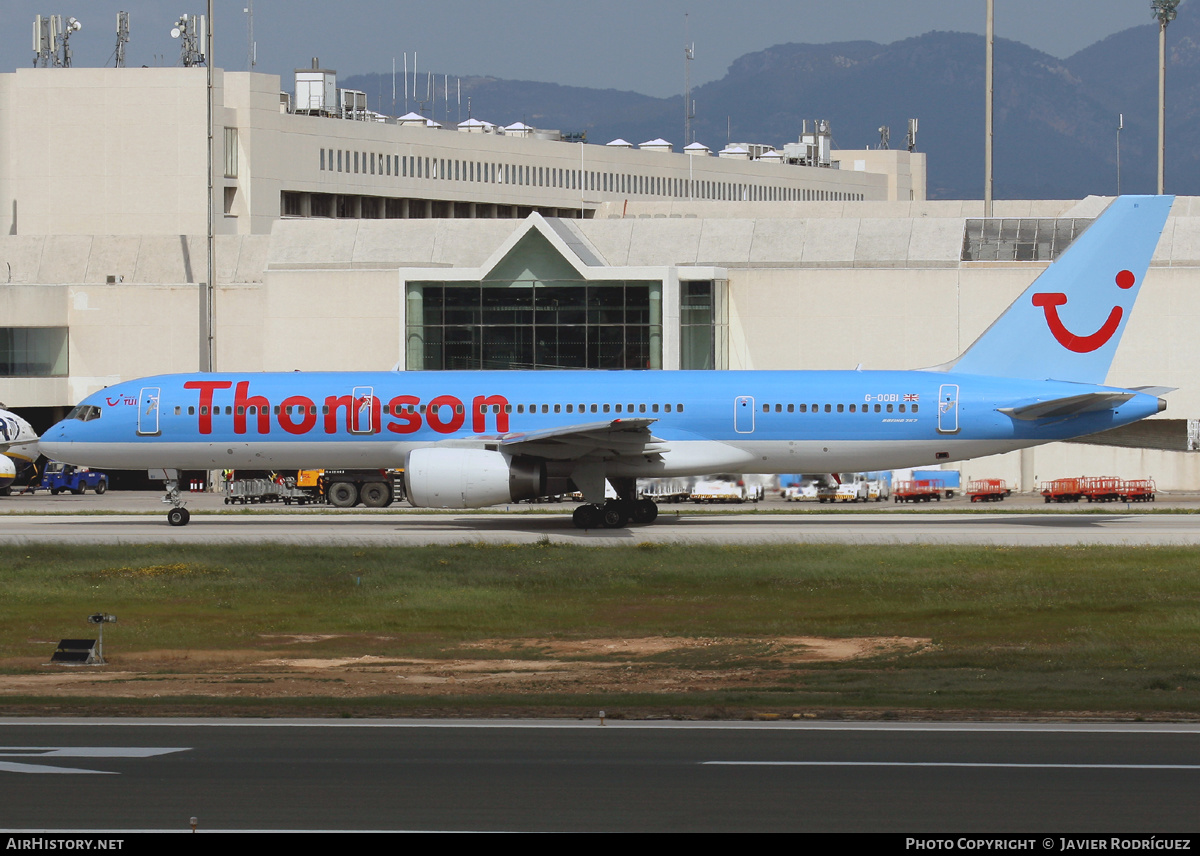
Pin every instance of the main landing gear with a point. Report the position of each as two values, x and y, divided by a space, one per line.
615 513
178 515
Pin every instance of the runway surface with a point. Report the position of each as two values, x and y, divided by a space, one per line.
416 528
576 776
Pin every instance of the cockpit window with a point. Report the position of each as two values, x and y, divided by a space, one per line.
84 412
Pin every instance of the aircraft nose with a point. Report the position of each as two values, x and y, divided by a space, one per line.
55 441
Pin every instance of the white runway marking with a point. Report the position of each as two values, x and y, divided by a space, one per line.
968 764
42 753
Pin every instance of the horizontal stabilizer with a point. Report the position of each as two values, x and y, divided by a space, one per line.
1071 405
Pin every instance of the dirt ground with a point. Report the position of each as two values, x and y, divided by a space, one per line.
533 666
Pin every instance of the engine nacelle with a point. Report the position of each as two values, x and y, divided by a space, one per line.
470 478
8 470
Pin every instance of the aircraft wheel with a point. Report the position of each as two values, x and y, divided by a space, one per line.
178 516
614 515
342 495
644 511
374 495
586 517
54 491
101 486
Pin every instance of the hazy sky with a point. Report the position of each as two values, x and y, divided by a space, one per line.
622 44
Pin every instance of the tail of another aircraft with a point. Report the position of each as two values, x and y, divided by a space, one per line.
1066 325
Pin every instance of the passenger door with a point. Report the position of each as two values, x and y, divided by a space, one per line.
743 414
948 408
147 424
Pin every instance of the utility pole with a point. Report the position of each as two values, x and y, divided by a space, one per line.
1164 11
987 122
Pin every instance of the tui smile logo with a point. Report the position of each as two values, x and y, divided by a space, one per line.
1050 301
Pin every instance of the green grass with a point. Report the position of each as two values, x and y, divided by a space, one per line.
1014 629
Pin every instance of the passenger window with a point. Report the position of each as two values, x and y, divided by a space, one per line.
240 412
679 408
828 408
804 408
877 408
618 408
914 410
641 408
654 408
841 408
668 407
191 411
852 408
901 408
558 408
889 408
791 408
545 408
606 408
520 408
766 408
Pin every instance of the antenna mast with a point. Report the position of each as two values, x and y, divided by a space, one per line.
689 108
251 47
122 38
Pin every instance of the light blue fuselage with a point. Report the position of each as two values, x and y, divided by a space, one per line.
758 421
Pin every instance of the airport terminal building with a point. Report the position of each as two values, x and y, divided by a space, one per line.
344 242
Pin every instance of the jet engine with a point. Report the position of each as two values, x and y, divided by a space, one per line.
8 471
470 478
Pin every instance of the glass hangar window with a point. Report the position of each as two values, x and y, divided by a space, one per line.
534 312
1020 239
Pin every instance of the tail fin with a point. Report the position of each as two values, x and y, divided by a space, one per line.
1066 325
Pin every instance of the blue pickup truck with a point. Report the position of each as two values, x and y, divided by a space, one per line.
59 477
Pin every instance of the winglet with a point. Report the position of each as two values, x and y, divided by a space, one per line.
1067 324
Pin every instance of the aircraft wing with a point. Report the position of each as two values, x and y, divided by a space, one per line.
25 449
613 439
1071 405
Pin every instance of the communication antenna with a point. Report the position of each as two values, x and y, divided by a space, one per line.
885 134
73 26
251 46
911 141
1120 128
192 32
689 106
41 41
51 40
122 38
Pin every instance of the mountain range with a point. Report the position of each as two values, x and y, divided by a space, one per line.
1055 133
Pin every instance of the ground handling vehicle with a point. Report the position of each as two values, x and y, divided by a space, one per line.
1063 490
59 477
348 488
988 490
1138 490
923 490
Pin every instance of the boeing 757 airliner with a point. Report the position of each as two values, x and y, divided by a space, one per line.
479 438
